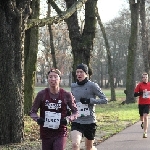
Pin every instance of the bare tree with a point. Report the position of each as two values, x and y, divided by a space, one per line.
130 81
110 67
51 39
30 58
144 35
81 42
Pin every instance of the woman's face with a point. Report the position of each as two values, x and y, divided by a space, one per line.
81 75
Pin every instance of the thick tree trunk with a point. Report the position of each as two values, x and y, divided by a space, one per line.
82 42
31 49
130 81
11 67
11 71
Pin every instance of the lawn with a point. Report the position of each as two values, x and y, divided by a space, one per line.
119 92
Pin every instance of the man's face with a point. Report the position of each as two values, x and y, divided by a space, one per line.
81 75
53 79
145 78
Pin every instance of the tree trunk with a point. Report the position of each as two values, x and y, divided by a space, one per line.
130 81
144 36
110 68
51 40
31 49
13 17
82 43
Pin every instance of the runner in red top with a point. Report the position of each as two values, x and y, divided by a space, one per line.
143 91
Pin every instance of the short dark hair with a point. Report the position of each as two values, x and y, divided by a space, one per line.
55 70
144 74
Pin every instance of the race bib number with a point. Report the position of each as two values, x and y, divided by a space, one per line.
146 94
83 109
52 120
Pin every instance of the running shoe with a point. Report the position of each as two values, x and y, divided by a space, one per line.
144 135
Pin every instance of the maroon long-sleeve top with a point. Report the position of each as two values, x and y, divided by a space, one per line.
58 103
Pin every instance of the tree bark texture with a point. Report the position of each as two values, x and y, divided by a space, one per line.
13 16
130 82
82 42
51 40
110 67
31 50
144 35
56 19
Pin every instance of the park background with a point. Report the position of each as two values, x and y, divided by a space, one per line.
117 52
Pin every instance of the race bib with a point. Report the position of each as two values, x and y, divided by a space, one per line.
146 94
52 120
83 109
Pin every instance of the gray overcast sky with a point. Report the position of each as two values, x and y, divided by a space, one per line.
108 9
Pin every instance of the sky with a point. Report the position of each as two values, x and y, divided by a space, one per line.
109 9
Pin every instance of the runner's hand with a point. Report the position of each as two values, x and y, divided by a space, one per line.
64 121
68 112
84 100
138 94
40 121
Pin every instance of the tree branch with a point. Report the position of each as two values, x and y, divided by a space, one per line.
54 5
56 19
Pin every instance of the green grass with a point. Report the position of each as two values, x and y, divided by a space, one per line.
107 92
114 117
119 93
37 89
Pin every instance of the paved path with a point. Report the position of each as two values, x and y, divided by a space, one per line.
129 139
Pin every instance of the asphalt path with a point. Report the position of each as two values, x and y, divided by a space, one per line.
130 138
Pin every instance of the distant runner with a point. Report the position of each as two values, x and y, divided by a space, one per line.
143 91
